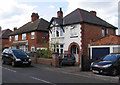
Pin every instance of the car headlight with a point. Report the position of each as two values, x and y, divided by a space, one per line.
91 63
18 59
106 66
29 59
27 56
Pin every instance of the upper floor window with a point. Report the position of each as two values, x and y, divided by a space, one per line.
23 36
32 35
61 32
103 32
73 31
57 33
10 38
16 37
107 31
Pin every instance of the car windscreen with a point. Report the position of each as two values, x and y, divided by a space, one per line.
19 53
112 58
68 55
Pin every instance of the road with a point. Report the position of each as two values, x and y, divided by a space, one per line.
42 75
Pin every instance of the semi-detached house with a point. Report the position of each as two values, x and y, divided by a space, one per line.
31 36
74 32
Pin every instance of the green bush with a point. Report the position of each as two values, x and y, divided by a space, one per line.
43 53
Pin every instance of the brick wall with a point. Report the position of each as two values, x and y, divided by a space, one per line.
39 41
91 32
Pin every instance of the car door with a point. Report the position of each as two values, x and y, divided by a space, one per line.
11 57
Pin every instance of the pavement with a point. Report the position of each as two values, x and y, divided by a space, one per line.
74 70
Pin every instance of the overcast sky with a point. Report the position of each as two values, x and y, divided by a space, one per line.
15 13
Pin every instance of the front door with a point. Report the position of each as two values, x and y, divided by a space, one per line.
75 52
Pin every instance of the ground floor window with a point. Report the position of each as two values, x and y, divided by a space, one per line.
58 48
116 50
13 47
33 48
24 48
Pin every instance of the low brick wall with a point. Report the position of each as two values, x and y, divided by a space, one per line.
42 61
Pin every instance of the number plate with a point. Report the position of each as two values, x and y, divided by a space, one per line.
95 71
25 62
69 59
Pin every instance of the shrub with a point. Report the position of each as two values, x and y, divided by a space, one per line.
43 53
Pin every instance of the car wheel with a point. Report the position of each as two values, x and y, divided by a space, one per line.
73 64
61 64
114 72
3 62
13 64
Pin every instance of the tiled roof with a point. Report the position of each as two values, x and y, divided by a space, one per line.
107 40
37 25
5 34
83 16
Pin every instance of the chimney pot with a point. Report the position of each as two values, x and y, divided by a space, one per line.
93 12
34 16
60 13
15 28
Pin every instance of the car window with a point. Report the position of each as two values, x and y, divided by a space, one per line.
10 52
5 51
68 55
19 53
112 58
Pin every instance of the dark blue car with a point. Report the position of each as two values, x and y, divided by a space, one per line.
110 64
15 57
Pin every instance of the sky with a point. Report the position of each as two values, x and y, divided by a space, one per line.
15 13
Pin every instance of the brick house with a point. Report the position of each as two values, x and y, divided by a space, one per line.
31 36
4 38
74 32
105 45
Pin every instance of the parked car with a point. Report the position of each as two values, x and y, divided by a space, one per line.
67 59
15 57
110 64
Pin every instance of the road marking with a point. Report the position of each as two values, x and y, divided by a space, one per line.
8 69
42 80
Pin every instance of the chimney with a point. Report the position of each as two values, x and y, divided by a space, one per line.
93 12
60 14
0 28
34 16
15 28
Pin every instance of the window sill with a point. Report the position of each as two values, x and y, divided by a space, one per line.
73 36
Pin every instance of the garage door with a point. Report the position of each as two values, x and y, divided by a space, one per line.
99 52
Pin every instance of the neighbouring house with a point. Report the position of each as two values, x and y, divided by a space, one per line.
4 38
31 36
72 33
106 45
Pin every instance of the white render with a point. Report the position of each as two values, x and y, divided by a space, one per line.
72 33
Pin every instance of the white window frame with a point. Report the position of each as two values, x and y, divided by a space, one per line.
16 37
32 35
10 38
107 31
73 31
103 32
33 48
61 32
24 36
